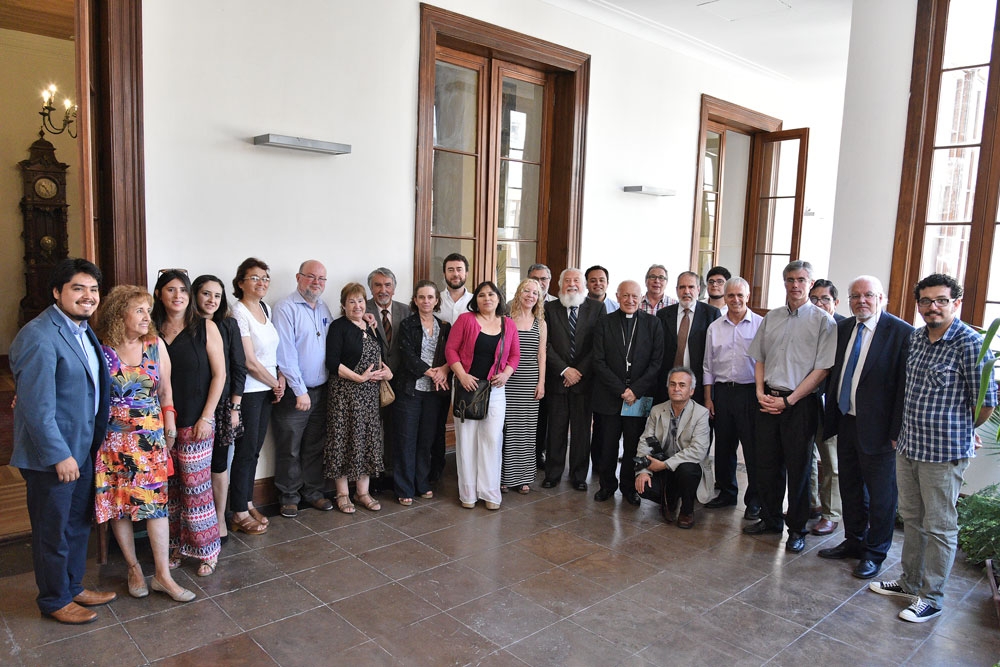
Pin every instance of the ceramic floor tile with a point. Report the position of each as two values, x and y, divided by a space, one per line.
202 622
856 626
381 611
752 630
612 569
504 617
463 539
562 592
309 639
557 546
403 558
790 599
345 578
566 643
686 599
302 554
265 603
91 648
938 651
449 585
617 620
364 536
233 651
806 648
436 640
235 573
417 520
507 565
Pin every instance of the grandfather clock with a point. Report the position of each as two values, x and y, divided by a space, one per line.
46 238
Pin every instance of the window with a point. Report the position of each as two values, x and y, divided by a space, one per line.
501 120
947 214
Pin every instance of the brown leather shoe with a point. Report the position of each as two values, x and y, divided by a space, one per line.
94 598
74 614
685 521
824 527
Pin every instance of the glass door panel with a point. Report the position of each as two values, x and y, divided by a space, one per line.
513 260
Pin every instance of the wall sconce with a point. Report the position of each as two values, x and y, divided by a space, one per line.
48 97
649 190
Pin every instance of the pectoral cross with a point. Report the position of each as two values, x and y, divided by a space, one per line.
628 365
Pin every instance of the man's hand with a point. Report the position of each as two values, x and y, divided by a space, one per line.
772 405
302 403
655 465
369 319
710 406
642 482
571 376
68 470
628 397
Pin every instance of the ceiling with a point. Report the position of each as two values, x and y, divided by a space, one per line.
51 18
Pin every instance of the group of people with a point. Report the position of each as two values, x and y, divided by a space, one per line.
158 413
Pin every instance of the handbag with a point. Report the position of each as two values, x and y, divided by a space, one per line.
385 393
475 404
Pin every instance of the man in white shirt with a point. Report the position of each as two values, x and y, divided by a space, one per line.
454 298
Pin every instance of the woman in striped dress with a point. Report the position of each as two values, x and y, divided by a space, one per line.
524 389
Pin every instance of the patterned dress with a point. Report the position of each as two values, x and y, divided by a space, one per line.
131 465
521 418
354 427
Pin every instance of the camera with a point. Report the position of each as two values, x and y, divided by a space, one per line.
655 451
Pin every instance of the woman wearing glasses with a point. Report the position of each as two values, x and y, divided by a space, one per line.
198 376
264 386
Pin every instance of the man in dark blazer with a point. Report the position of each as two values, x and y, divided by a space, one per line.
692 356
628 351
864 409
569 379
60 420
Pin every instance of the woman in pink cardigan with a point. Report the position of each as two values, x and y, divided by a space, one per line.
473 352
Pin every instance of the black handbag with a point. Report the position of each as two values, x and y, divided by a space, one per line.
475 404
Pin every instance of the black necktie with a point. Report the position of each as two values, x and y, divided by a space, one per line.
572 331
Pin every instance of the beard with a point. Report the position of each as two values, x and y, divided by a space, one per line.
570 300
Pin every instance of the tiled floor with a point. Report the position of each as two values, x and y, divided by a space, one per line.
553 578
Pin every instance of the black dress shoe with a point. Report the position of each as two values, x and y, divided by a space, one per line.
867 569
632 497
580 486
795 543
720 501
762 528
603 494
839 552
752 513
549 483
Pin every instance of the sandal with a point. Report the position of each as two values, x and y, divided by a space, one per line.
344 504
260 518
405 502
504 489
428 495
524 490
247 524
175 560
371 504
207 567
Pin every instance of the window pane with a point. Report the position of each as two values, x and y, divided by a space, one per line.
441 248
992 312
513 260
783 159
713 144
455 102
953 184
709 207
946 248
521 120
453 201
775 225
993 287
768 269
518 215
960 106
969 37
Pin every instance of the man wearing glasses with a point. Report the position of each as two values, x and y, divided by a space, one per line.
715 281
655 297
935 443
794 349
302 320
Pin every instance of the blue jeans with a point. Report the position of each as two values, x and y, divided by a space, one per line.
418 421
927 496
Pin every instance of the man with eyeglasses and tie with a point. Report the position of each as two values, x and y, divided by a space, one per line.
936 441
302 319
794 349
684 326
864 411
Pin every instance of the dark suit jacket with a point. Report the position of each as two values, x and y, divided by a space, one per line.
609 360
557 357
400 311
54 417
704 315
879 397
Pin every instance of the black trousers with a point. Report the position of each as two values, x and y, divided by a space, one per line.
628 429
784 450
868 494
669 485
256 417
736 410
299 443
569 420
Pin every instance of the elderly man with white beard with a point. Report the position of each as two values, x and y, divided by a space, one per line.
571 320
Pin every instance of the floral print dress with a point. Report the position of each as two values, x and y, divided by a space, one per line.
131 465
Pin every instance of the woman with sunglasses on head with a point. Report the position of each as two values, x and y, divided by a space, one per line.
264 386
210 302
197 377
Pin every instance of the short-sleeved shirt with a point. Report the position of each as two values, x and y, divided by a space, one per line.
265 344
942 384
727 345
793 343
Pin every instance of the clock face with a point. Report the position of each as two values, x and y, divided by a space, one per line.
46 188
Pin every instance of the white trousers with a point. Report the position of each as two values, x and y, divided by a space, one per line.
479 451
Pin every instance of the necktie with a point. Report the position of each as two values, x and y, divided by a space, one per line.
386 325
682 339
852 363
572 331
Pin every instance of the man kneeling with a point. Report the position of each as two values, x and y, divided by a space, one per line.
672 449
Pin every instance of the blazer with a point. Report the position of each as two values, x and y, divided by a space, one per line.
54 416
400 311
879 397
693 434
461 345
609 363
704 315
411 366
557 356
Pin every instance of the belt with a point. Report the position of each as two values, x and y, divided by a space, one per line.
771 391
733 385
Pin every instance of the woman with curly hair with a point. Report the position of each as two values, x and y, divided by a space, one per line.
131 465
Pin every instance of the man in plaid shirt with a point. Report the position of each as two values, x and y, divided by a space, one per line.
936 442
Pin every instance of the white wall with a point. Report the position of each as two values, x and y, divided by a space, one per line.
30 63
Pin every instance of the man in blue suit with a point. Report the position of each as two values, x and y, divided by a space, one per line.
60 420
864 408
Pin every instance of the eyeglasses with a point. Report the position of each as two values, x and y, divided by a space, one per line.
657 278
800 281
259 279
162 271
821 299
941 302
867 296
716 281
310 277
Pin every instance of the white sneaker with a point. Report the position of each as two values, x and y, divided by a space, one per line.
890 588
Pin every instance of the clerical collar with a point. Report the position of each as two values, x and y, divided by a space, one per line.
629 316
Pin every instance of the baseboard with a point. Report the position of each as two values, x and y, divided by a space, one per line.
264 492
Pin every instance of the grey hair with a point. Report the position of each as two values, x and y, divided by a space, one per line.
382 271
797 265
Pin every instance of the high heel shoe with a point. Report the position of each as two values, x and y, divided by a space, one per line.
137 590
184 596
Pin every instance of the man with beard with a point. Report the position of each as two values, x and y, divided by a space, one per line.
715 282
571 321
684 326
455 297
597 287
302 319
543 275
60 419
